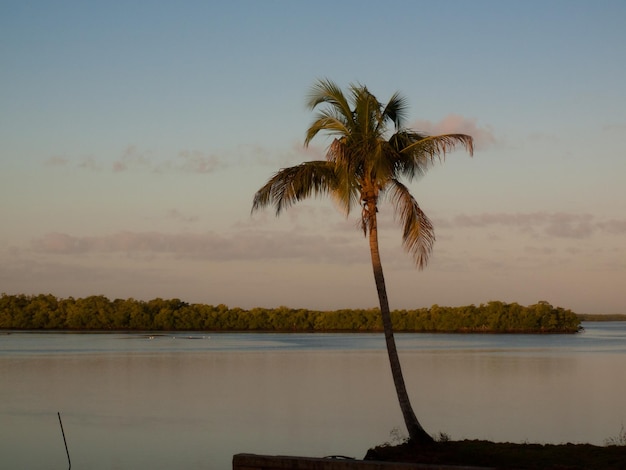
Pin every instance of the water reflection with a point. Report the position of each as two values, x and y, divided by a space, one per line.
131 401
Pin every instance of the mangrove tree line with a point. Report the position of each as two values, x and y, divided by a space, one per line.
47 312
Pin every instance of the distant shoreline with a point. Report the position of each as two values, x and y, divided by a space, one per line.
601 317
98 313
288 332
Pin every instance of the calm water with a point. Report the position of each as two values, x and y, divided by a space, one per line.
191 401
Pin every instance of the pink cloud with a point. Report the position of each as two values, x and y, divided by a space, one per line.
58 243
119 167
456 124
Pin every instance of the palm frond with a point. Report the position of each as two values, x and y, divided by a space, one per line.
396 110
418 234
347 192
293 184
416 152
439 145
367 114
327 91
327 120
349 158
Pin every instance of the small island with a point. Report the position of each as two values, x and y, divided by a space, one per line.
98 313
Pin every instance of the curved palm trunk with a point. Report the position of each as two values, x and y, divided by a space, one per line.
416 432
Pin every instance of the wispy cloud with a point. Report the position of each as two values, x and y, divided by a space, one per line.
89 163
621 128
554 224
543 138
245 245
56 160
188 161
194 161
614 226
456 124
133 158
286 157
175 214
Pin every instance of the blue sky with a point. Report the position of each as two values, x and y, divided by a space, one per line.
134 135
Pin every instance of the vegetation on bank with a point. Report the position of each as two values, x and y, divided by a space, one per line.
505 455
488 454
47 312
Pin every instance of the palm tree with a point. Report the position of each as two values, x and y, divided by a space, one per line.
364 162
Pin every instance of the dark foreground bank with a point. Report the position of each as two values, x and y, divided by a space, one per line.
506 455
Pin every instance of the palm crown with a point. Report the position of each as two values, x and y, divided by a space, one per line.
364 161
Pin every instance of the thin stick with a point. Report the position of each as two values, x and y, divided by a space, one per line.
65 442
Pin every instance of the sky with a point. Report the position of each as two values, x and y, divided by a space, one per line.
133 136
